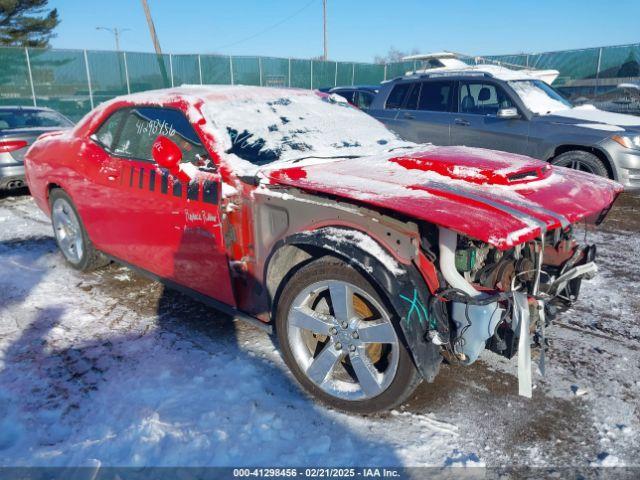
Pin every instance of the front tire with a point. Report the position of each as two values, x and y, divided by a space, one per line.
341 340
583 162
71 236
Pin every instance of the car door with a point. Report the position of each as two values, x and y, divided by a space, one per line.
477 124
388 113
427 113
167 227
99 196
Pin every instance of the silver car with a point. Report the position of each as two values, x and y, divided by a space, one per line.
517 114
19 128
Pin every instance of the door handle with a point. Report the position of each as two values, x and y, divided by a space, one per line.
461 122
409 116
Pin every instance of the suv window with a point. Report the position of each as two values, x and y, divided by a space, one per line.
396 97
347 94
437 96
364 100
130 132
414 95
483 98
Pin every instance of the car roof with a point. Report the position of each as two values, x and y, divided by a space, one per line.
211 93
23 107
484 71
356 87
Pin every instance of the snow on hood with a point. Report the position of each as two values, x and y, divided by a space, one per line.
536 99
499 198
592 114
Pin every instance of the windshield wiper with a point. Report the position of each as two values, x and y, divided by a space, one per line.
296 160
402 146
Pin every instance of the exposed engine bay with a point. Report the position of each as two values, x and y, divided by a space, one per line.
504 300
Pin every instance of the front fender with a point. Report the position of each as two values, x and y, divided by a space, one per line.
402 285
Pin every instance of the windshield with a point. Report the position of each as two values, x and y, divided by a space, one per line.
539 97
263 129
18 118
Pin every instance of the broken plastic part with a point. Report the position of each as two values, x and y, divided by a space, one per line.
521 313
541 332
475 324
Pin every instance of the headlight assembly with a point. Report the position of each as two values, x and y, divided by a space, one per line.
627 141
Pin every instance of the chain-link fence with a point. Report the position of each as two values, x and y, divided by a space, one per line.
73 81
586 73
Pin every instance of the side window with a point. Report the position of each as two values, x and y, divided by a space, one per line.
437 96
142 126
414 95
108 131
348 94
482 98
396 97
364 100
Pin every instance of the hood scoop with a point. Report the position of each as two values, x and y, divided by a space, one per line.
477 170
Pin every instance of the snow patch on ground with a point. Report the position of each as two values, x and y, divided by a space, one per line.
95 370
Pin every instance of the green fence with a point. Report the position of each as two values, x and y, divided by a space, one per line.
73 81
586 72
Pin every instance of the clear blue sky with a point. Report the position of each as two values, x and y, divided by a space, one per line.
358 29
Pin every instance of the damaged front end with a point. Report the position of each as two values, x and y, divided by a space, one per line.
503 299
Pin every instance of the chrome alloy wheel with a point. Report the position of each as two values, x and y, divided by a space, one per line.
576 164
343 340
66 227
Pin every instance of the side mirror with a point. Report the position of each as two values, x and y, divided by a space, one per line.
168 155
507 113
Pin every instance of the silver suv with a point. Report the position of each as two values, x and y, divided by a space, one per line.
513 113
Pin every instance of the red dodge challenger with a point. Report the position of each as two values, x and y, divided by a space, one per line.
373 258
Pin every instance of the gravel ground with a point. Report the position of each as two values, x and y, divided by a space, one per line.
109 368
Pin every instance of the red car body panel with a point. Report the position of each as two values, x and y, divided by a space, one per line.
391 214
502 199
130 212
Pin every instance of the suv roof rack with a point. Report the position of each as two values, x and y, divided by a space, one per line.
456 73
441 74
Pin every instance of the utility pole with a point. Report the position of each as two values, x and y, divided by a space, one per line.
152 28
325 56
156 43
116 33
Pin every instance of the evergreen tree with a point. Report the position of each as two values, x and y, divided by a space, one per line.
27 23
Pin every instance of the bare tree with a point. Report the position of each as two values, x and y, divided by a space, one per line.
394 55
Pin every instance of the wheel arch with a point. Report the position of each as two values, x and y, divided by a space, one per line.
51 186
402 285
43 199
564 148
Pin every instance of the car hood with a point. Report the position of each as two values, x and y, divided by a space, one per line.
502 199
588 116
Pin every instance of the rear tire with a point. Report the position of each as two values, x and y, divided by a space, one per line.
71 236
582 161
387 371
